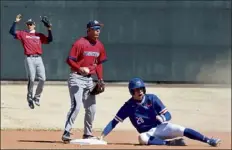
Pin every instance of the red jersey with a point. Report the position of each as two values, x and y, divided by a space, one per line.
32 42
87 55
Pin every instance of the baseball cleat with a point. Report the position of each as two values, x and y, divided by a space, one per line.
31 104
89 137
36 101
66 137
176 142
214 142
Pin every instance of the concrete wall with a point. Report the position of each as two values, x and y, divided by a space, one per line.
159 41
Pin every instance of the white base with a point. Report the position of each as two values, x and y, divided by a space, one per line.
88 142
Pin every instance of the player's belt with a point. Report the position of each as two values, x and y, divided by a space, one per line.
89 75
34 55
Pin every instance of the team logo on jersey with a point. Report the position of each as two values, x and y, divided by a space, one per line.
90 53
149 103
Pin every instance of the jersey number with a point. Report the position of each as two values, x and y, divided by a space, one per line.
139 120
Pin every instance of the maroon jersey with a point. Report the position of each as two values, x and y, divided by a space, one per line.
87 55
32 42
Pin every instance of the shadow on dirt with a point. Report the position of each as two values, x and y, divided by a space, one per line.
48 141
124 144
40 141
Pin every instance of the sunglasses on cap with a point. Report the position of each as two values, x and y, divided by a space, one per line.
30 23
95 27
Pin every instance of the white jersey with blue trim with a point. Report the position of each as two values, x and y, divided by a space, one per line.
143 113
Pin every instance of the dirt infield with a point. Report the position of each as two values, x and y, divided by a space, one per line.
116 140
206 109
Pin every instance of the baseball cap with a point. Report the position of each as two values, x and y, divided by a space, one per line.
30 21
94 24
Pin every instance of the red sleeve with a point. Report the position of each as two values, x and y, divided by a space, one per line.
102 57
99 71
43 38
73 57
19 35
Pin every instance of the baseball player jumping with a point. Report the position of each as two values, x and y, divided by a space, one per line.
32 43
85 60
150 118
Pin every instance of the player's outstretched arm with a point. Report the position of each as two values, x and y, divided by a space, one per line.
13 27
111 125
121 115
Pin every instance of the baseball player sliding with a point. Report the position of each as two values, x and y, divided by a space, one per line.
32 43
150 118
85 60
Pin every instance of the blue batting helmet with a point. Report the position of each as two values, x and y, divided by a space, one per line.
136 83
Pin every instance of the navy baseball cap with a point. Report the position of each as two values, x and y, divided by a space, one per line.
94 24
30 21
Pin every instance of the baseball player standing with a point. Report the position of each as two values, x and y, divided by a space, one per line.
150 117
85 60
32 43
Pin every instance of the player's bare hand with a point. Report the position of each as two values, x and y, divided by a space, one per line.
84 70
18 18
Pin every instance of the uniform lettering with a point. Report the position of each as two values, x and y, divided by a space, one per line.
90 53
32 37
139 120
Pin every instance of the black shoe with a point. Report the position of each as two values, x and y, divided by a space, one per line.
36 101
88 137
66 137
31 104
176 142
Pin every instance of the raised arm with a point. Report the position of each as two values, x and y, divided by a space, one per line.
13 27
50 37
46 39
48 25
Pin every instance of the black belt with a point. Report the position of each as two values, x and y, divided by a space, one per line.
34 55
89 75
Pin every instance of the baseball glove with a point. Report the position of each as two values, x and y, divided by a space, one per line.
45 21
98 88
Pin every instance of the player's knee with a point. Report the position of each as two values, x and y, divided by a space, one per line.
31 79
43 78
143 139
77 108
178 130
90 111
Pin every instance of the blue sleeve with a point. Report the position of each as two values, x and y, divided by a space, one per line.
161 109
50 38
159 106
111 125
121 115
72 58
13 29
166 116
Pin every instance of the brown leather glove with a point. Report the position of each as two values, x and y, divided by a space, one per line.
99 88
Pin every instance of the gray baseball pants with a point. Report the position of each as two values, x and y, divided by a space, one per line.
79 89
34 66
